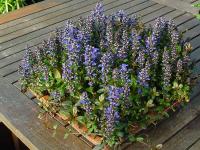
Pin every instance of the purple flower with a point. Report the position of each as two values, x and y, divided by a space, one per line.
115 74
25 67
143 76
174 38
98 12
179 68
155 57
46 73
124 73
112 117
85 103
111 113
91 57
173 54
140 59
121 17
105 65
114 95
135 41
109 34
151 44
56 95
72 42
166 68
159 27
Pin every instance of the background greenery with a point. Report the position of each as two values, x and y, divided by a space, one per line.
198 6
10 5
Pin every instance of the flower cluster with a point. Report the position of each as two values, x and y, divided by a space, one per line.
85 102
111 71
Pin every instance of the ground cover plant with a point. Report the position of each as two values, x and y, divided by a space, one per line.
111 73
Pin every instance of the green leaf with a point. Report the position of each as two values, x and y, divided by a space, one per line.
100 90
98 147
196 5
139 139
55 126
57 74
64 113
81 119
54 133
90 90
101 98
120 134
132 138
150 103
159 146
66 135
198 16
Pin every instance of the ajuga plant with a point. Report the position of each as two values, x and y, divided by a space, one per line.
110 72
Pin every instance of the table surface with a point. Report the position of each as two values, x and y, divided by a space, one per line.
29 25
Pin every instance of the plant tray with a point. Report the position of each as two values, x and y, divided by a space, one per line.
96 139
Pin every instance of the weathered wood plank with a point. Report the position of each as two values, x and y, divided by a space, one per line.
72 11
43 18
36 41
183 18
156 14
196 146
37 33
188 135
192 33
178 5
195 55
29 10
195 42
188 25
30 17
169 16
22 120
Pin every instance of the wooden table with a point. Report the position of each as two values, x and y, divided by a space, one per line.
19 112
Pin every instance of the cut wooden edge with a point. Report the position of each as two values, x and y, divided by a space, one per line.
94 139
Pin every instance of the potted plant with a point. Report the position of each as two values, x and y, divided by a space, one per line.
110 76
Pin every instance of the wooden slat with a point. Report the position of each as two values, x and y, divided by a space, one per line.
195 42
32 21
195 55
188 135
183 18
149 10
188 25
22 120
13 77
170 16
33 16
178 5
18 56
196 146
140 7
72 11
156 14
49 28
194 32
29 10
